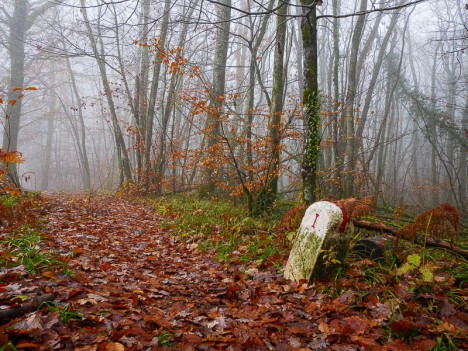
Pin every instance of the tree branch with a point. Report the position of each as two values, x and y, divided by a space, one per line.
359 13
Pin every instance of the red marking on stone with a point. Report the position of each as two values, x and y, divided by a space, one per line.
342 227
316 217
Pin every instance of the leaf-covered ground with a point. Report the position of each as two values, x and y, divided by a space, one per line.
130 285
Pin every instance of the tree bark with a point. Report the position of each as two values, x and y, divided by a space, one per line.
161 153
349 112
267 196
119 140
21 21
217 97
148 128
311 103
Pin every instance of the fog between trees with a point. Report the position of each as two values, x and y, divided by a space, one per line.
220 97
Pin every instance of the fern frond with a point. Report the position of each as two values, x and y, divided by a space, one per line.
441 222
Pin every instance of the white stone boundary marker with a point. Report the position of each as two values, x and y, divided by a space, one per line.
320 244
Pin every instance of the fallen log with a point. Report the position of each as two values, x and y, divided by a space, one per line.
380 227
25 308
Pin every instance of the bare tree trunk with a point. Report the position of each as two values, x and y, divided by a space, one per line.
119 140
433 134
161 153
463 162
339 162
46 166
450 196
267 195
19 23
375 75
148 129
415 142
350 97
213 123
81 135
253 46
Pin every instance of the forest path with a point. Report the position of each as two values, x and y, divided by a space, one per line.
136 287
140 288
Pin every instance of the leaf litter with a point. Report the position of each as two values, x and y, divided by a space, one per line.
136 287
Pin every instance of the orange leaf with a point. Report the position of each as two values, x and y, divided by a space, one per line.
23 345
77 251
17 89
1 101
115 346
31 88
12 102
49 274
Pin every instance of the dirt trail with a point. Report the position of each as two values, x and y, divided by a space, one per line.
140 288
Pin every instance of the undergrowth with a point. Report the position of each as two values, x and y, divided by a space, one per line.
224 227
25 247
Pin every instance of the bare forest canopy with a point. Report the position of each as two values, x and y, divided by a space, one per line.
250 99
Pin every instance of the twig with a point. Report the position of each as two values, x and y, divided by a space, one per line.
26 308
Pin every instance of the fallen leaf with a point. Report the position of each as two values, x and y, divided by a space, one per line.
49 274
86 348
23 345
423 345
115 346
324 328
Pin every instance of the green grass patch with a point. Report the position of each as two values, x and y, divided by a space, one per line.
25 247
67 315
165 338
222 226
8 200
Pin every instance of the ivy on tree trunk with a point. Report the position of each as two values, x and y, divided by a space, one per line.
311 102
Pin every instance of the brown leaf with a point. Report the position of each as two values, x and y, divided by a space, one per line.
192 339
366 342
86 348
447 309
423 345
29 345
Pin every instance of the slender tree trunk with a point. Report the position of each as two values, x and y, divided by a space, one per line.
161 153
148 130
267 195
415 141
253 46
375 74
213 123
81 135
350 100
18 28
46 166
433 135
339 164
119 140
463 161
19 23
